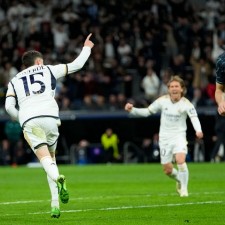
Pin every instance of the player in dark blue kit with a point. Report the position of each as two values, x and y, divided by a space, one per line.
220 84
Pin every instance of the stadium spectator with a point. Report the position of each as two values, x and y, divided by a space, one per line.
153 30
150 84
13 134
198 99
174 109
110 144
165 77
33 91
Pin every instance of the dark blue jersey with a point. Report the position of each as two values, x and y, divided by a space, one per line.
220 69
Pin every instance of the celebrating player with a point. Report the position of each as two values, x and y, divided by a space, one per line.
38 113
174 109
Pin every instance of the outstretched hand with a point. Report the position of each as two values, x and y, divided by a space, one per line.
128 107
88 42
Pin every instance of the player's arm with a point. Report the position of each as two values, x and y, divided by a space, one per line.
10 103
192 113
197 126
153 108
144 112
79 62
10 107
62 70
219 97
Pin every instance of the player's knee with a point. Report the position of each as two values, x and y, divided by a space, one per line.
182 167
167 170
180 158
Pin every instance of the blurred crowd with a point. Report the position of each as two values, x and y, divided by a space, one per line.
138 46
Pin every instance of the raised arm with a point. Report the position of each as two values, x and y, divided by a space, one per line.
88 42
79 62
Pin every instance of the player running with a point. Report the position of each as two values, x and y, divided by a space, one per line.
174 109
38 113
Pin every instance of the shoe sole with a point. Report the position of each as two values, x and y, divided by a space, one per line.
63 193
55 216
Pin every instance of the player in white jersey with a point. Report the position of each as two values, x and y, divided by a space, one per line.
32 90
174 109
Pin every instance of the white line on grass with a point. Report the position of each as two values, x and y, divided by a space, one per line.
21 202
110 197
124 207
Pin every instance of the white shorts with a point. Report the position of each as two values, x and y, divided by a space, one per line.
168 148
42 131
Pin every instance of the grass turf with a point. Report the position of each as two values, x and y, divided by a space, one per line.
134 194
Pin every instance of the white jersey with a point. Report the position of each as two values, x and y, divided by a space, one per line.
34 89
173 116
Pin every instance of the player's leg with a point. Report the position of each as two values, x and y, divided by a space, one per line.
166 158
172 172
183 173
51 169
180 151
52 138
35 135
47 162
61 181
55 209
52 172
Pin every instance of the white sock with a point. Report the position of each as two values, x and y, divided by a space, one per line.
174 174
54 192
183 175
50 167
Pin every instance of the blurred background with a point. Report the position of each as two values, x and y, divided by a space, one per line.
138 46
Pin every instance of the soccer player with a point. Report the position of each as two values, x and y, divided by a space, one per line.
220 84
174 108
38 114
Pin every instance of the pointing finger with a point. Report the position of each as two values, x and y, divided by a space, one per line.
88 37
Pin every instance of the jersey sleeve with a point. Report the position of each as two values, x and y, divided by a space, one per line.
58 71
191 111
10 90
156 106
193 115
220 69
10 102
61 70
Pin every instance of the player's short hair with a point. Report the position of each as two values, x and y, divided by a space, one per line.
29 57
180 80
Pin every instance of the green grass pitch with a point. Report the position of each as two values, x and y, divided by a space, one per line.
133 194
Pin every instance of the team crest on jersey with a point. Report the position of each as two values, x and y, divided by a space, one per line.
192 111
